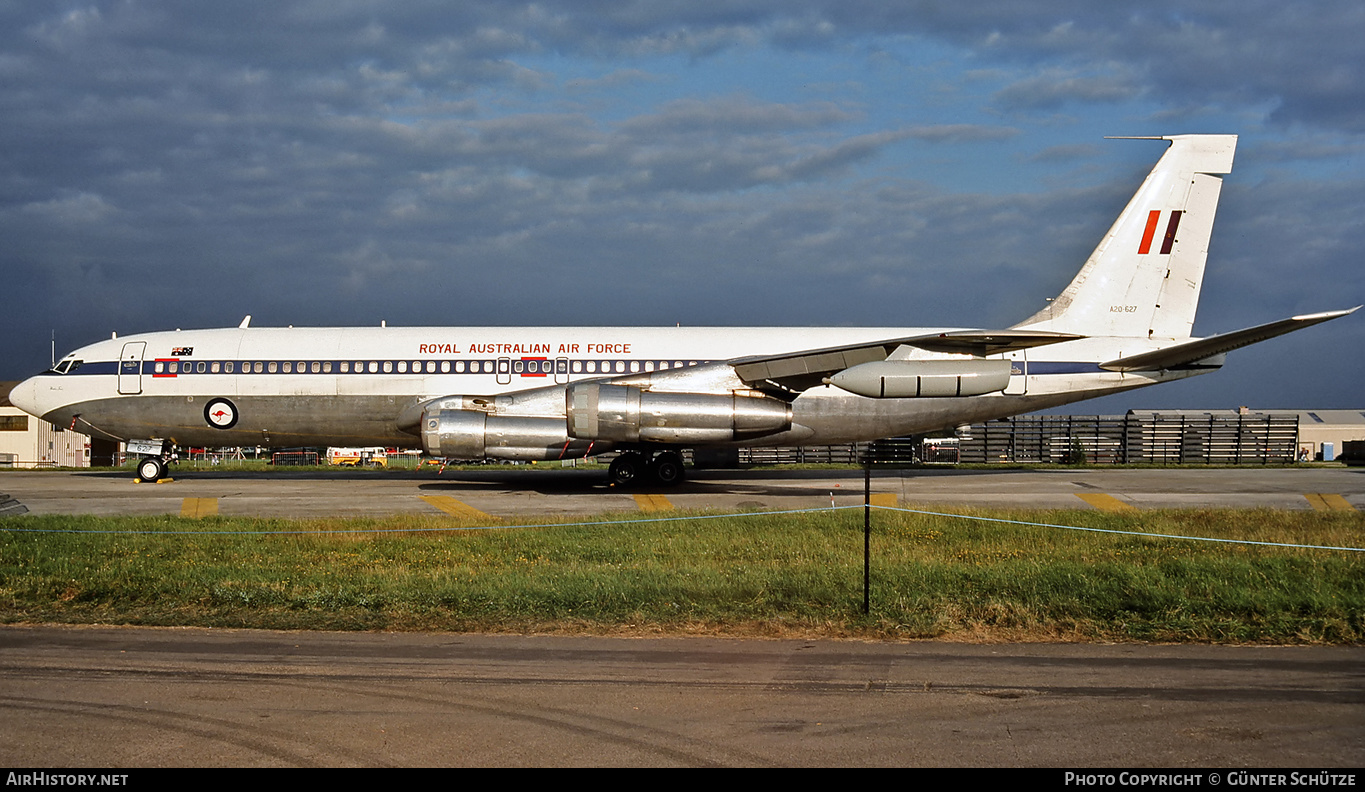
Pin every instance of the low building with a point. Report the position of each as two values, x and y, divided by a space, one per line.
29 442
1318 428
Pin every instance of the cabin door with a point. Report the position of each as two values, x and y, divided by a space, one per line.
130 368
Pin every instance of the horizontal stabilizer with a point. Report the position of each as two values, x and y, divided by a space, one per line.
1192 351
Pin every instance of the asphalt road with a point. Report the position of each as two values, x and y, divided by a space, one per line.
506 492
138 697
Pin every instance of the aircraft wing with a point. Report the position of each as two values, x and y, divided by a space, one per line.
1193 351
989 342
797 371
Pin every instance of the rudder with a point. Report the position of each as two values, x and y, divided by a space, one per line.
1144 277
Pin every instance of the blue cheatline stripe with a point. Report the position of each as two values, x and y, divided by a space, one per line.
699 517
188 367
604 367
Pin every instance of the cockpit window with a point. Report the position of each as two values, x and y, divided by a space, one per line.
67 366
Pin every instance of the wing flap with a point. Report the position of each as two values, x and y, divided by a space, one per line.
797 371
1194 351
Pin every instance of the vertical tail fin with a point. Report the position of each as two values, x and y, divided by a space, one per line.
1143 279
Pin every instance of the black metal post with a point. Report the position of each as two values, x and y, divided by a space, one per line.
867 539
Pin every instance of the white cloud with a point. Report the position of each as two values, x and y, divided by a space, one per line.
80 208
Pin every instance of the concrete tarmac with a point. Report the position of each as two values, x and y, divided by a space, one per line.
508 492
143 697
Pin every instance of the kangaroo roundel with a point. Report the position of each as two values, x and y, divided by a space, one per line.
220 414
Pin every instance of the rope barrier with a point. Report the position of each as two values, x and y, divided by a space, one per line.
1125 533
4 527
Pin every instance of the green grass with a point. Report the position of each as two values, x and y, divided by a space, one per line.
775 575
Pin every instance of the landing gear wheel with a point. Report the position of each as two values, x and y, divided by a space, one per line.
667 468
626 469
151 469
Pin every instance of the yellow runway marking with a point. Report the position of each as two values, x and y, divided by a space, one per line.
1328 501
199 507
1105 502
451 506
883 499
653 503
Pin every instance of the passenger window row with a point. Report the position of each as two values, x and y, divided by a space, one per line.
540 367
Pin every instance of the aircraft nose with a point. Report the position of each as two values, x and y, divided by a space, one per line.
25 397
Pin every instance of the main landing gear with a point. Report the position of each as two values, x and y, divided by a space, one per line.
664 468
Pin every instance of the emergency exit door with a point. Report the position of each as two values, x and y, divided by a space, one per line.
1018 374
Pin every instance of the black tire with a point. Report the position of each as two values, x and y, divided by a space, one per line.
626 469
151 469
667 469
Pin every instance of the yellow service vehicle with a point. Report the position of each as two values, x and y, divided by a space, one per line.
358 457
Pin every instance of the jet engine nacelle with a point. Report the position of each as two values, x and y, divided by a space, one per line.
899 379
627 414
472 434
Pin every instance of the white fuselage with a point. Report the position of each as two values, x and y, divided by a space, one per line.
348 386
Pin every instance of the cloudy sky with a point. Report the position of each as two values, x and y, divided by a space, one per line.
761 162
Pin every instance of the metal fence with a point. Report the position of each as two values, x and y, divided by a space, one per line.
1114 439
1258 438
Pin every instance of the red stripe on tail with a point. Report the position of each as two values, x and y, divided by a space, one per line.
1149 232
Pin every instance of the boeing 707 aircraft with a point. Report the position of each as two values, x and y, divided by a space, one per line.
544 393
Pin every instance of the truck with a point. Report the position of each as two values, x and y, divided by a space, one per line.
374 456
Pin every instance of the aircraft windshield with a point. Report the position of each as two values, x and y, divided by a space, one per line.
67 366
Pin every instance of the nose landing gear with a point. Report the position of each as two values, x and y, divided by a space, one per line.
157 455
151 469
